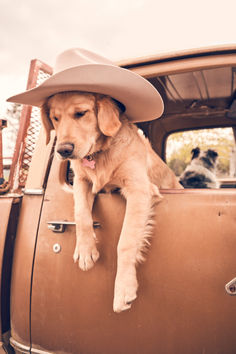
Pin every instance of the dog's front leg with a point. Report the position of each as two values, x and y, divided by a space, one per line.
132 241
86 252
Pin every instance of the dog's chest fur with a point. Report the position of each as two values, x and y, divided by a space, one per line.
102 178
107 172
97 177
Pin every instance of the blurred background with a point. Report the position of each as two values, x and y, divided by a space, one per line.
116 29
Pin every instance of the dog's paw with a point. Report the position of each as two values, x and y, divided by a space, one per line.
86 256
125 294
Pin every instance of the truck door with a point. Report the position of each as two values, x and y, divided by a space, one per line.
183 304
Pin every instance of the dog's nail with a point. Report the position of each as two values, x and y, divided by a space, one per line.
95 256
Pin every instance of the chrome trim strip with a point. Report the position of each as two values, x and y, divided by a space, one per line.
38 351
34 191
18 346
26 349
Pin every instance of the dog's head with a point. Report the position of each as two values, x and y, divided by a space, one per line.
82 121
206 158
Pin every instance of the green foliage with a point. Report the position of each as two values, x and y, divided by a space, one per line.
179 146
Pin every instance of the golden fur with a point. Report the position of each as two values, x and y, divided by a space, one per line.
94 125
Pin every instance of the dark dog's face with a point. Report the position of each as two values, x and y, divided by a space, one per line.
200 172
80 120
206 158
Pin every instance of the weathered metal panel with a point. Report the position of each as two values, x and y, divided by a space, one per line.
22 268
182 304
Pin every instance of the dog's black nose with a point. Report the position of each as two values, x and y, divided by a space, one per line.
65 149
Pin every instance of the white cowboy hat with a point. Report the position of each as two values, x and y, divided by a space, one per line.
81 70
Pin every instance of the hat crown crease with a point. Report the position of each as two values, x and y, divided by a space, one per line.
77 57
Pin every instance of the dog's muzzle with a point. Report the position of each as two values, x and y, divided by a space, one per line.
65 150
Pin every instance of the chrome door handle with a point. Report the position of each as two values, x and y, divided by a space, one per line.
60 226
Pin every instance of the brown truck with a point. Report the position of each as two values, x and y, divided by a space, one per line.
187 291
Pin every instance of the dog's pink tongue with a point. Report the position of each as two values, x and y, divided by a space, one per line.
87 163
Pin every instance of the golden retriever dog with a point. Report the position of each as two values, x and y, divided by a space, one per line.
106 150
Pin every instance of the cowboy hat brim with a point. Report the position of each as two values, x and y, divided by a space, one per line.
141 100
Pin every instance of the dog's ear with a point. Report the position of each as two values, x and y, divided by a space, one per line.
195 153
47 124
212 154
108 116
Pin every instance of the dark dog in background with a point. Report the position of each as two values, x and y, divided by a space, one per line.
200 172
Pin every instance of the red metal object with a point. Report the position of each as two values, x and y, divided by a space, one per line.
19 169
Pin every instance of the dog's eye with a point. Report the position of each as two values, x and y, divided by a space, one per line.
79 114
